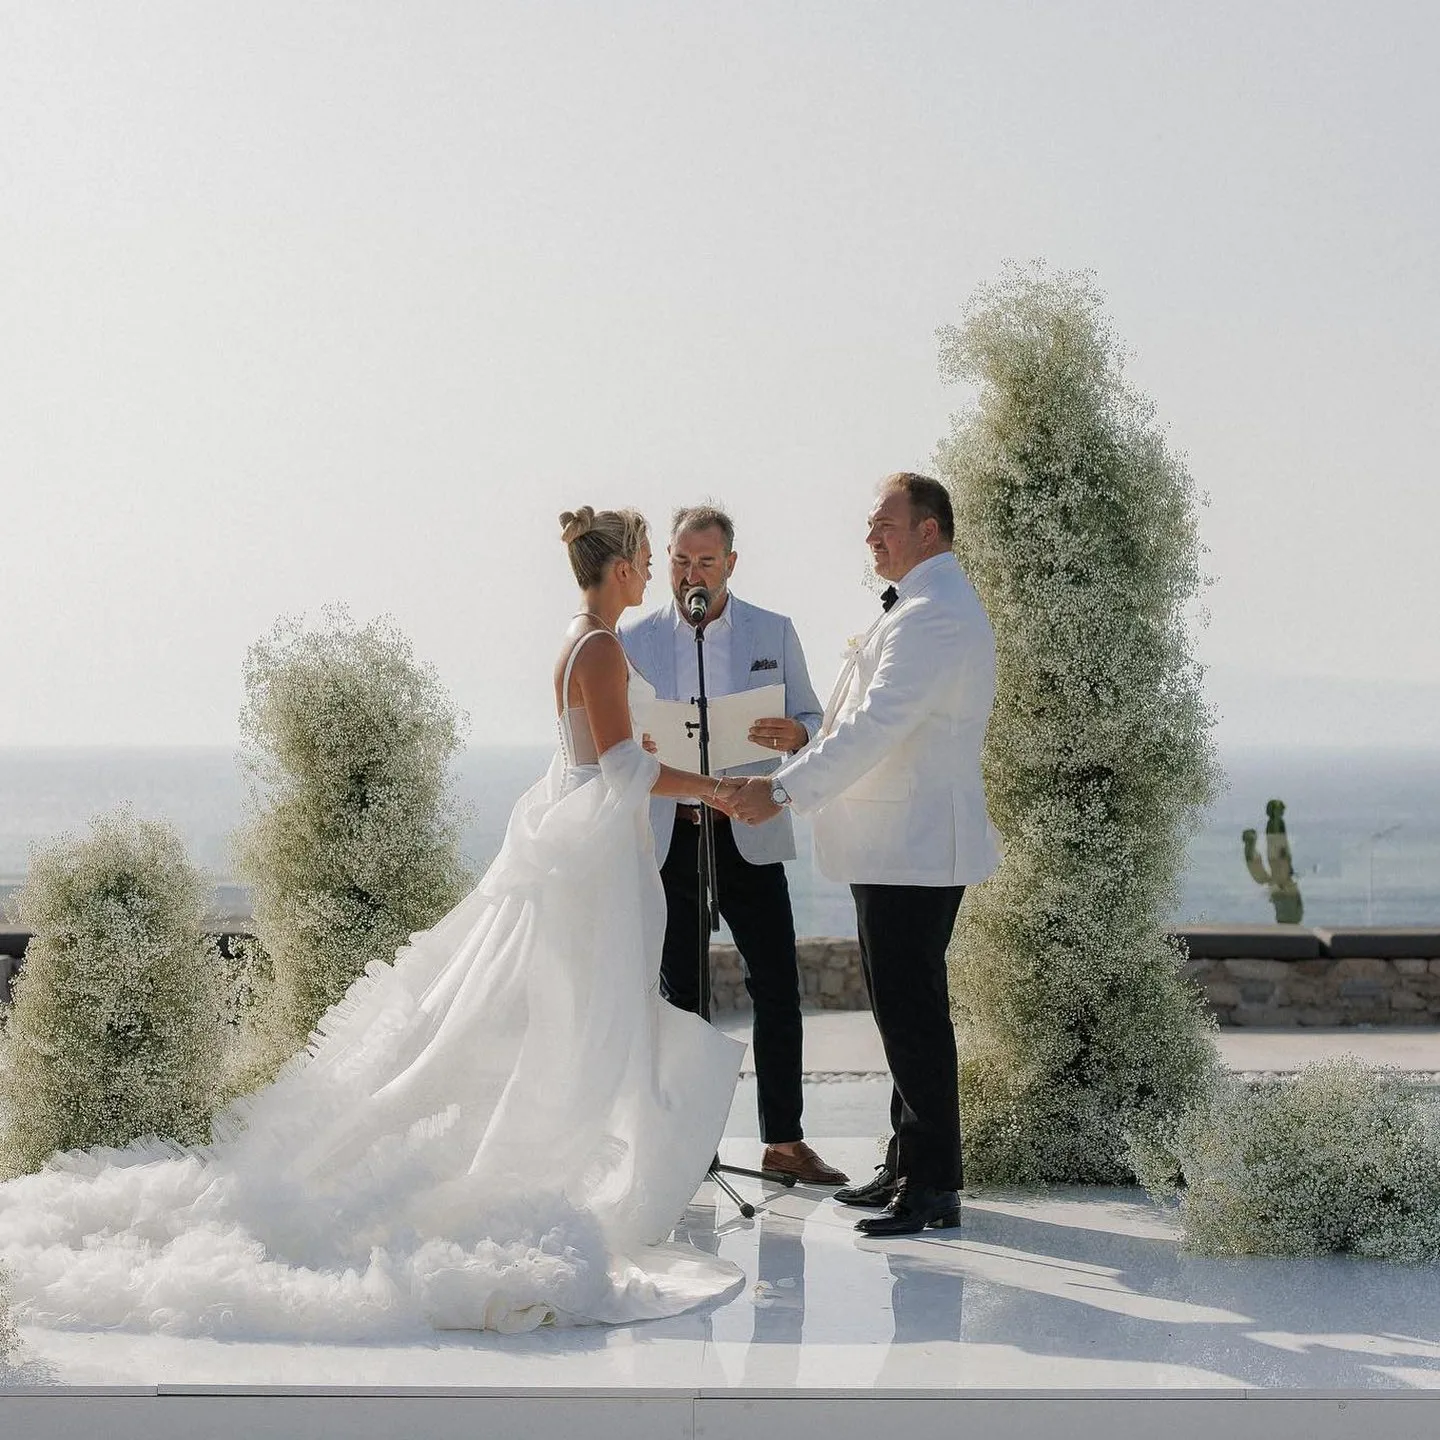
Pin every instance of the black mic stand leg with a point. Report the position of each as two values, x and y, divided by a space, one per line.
741 1204
709 908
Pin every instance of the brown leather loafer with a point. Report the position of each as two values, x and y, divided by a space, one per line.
805 1165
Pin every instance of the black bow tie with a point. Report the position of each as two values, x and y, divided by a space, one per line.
888 596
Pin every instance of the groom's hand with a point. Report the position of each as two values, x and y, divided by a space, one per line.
779 733
753 805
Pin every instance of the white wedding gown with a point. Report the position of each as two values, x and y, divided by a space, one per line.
497 1131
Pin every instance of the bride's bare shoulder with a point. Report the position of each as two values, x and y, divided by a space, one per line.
591 662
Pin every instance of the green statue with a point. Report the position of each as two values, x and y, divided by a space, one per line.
1280 879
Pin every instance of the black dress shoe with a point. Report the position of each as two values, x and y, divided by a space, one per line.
874 1194
914 1208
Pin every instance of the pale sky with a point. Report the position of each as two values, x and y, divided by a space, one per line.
306 303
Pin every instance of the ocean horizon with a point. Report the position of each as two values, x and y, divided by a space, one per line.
1364 825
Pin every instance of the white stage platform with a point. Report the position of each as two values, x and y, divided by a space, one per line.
1070 1313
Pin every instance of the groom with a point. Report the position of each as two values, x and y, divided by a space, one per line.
893 781
745 647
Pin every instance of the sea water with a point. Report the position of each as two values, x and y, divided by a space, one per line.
1364 826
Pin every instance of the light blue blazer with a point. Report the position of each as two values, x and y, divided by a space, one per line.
764 650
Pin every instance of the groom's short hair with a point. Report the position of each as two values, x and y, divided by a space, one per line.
703 517
929 500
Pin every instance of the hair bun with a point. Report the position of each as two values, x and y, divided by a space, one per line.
575 523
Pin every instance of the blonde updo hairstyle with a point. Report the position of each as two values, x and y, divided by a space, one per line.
596 537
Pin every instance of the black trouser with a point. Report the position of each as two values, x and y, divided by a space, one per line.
755 901
904 930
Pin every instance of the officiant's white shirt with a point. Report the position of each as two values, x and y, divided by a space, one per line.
753 648
716 640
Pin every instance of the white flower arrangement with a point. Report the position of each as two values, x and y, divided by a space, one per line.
115 1026
1340 1157
354 840
1077 525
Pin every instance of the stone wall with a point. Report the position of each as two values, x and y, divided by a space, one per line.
1358 990
1293 975
1269 975
1266 975
830 977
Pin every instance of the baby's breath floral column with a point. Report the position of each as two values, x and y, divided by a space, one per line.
1077 525
9 1335
115 1032
354 843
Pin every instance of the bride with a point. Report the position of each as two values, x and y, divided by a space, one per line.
498 1131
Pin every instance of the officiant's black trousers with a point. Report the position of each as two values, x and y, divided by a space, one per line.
904 930
755 901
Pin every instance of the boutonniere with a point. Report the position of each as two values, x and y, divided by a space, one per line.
854 644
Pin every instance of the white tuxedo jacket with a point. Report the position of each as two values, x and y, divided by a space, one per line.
764 650
894 777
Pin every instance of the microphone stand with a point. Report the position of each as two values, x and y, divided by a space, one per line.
709 911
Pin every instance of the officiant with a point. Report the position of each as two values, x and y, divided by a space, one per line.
745 647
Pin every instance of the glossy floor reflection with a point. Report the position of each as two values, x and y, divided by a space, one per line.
1071 1289
1067 1290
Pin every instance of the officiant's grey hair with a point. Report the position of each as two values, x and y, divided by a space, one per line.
596 537
703 517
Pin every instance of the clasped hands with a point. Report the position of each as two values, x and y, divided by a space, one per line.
748 799
745 799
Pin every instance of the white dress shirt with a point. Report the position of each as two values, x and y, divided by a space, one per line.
763 650
718 681
716 640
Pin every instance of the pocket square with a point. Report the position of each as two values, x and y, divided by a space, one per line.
764 665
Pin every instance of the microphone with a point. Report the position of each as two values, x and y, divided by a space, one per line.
697 604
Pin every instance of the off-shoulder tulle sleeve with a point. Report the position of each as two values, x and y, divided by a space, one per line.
627 767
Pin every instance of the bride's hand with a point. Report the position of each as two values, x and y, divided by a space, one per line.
724 796
648 745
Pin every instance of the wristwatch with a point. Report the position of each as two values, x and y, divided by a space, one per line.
779 795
